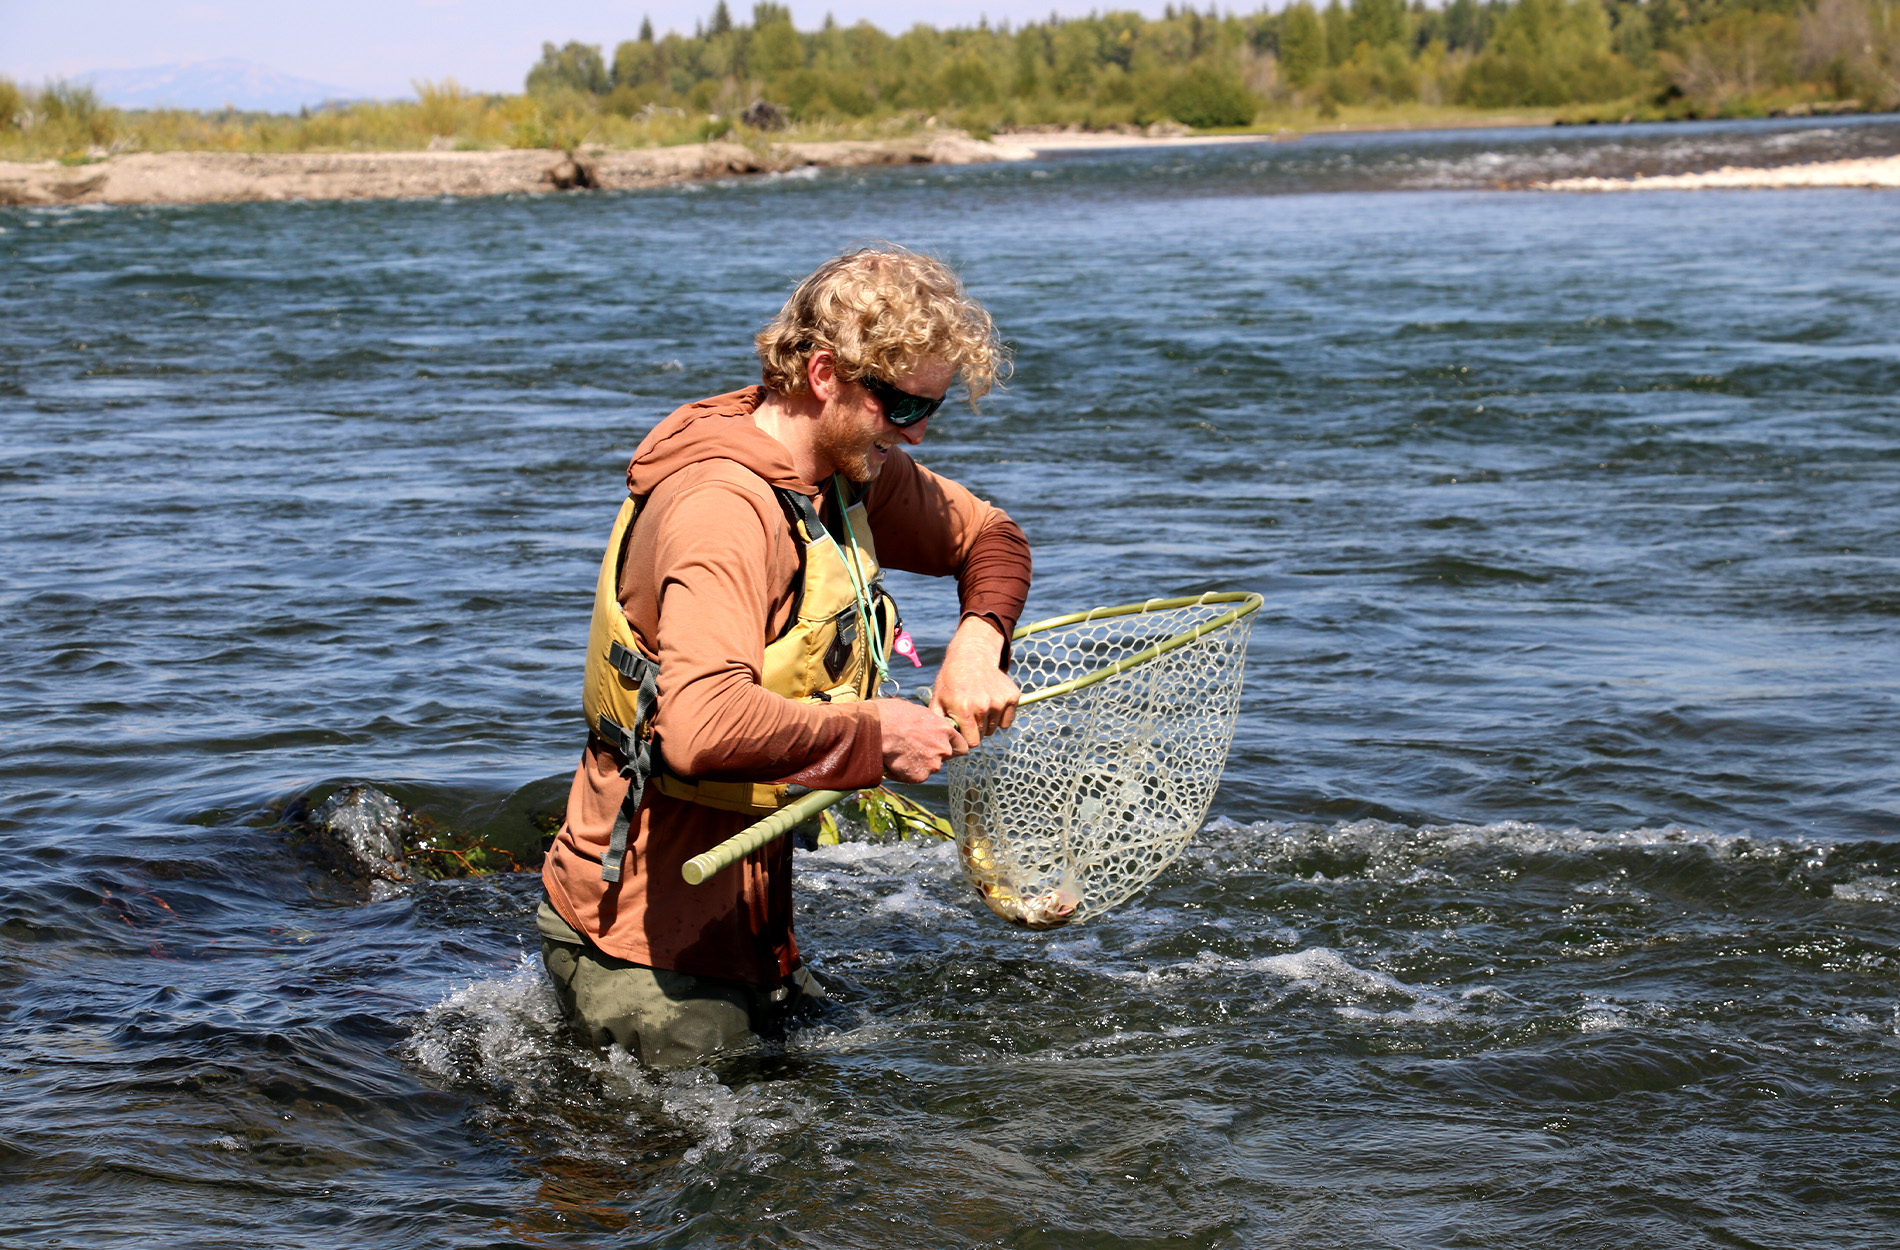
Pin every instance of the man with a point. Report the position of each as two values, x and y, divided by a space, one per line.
739 646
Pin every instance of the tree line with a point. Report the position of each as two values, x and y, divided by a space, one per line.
1662 58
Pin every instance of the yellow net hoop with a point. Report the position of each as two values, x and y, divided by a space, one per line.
1125 723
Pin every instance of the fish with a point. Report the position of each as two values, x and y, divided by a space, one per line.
1049 910
1046 909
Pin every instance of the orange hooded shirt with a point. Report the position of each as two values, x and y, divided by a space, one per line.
707 580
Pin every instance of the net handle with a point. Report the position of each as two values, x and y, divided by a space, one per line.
704 865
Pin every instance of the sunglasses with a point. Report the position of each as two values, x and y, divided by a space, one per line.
901 408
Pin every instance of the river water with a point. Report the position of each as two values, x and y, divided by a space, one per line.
1552 896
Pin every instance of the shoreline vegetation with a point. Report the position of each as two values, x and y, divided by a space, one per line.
763 97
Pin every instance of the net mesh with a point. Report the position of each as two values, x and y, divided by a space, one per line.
1093 792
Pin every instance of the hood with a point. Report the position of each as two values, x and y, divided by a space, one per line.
720 428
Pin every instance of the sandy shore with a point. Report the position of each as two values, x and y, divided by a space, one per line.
1881 171
215 177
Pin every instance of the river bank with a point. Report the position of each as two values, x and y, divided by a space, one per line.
196 177
223 177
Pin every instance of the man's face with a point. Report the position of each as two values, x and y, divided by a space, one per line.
852 432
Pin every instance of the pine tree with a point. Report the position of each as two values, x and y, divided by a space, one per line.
1302 44
1377 22
1464 25
1338 33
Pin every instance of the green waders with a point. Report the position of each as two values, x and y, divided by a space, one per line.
665 1019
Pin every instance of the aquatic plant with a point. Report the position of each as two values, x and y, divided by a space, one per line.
878 815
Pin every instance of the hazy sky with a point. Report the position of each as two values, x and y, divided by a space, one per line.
378 46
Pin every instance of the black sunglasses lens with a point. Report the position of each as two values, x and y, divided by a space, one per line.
910 411
901 408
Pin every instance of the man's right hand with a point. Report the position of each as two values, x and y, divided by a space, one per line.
916 740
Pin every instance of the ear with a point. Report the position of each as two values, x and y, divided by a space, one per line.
821 375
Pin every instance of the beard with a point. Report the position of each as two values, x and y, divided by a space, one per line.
850 450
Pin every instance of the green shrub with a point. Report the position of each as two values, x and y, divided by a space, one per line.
1727 64
67 118
1850 50
774 49
966 79
638 63
1381 75
444 108
1208 96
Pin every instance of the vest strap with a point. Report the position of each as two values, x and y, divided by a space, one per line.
630 663
635 750
750 797
802 510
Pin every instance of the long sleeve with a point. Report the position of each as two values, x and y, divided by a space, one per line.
719 551
928 524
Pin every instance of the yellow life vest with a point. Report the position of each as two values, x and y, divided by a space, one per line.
821 656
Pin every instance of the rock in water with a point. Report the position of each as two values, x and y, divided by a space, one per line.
571 173
362 830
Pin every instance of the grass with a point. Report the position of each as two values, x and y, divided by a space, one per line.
69 124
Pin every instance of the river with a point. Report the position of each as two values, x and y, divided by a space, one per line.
1552 895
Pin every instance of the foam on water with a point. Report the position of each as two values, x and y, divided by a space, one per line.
504 1036
1868 890
500 1032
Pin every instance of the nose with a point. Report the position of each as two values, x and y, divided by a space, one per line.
913 434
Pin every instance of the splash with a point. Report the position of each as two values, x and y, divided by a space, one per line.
505 1037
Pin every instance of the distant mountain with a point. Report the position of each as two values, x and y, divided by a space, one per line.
211 85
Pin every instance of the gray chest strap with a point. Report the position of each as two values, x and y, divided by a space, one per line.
635 746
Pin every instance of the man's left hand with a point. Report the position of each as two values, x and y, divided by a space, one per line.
972 689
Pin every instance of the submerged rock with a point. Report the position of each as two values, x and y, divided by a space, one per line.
380 848
361 831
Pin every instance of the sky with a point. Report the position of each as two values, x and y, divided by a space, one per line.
378 47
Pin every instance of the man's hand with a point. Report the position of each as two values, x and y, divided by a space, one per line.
917 740
972 689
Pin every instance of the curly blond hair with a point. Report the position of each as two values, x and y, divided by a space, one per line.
880 310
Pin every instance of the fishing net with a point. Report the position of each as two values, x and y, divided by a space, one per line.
1125 722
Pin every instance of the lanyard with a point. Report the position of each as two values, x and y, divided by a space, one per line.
867 616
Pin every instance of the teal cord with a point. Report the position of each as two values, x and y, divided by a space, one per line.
867 616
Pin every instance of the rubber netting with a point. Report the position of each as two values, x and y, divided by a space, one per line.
1095 791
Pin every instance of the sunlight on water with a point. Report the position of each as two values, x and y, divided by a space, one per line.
1550 893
